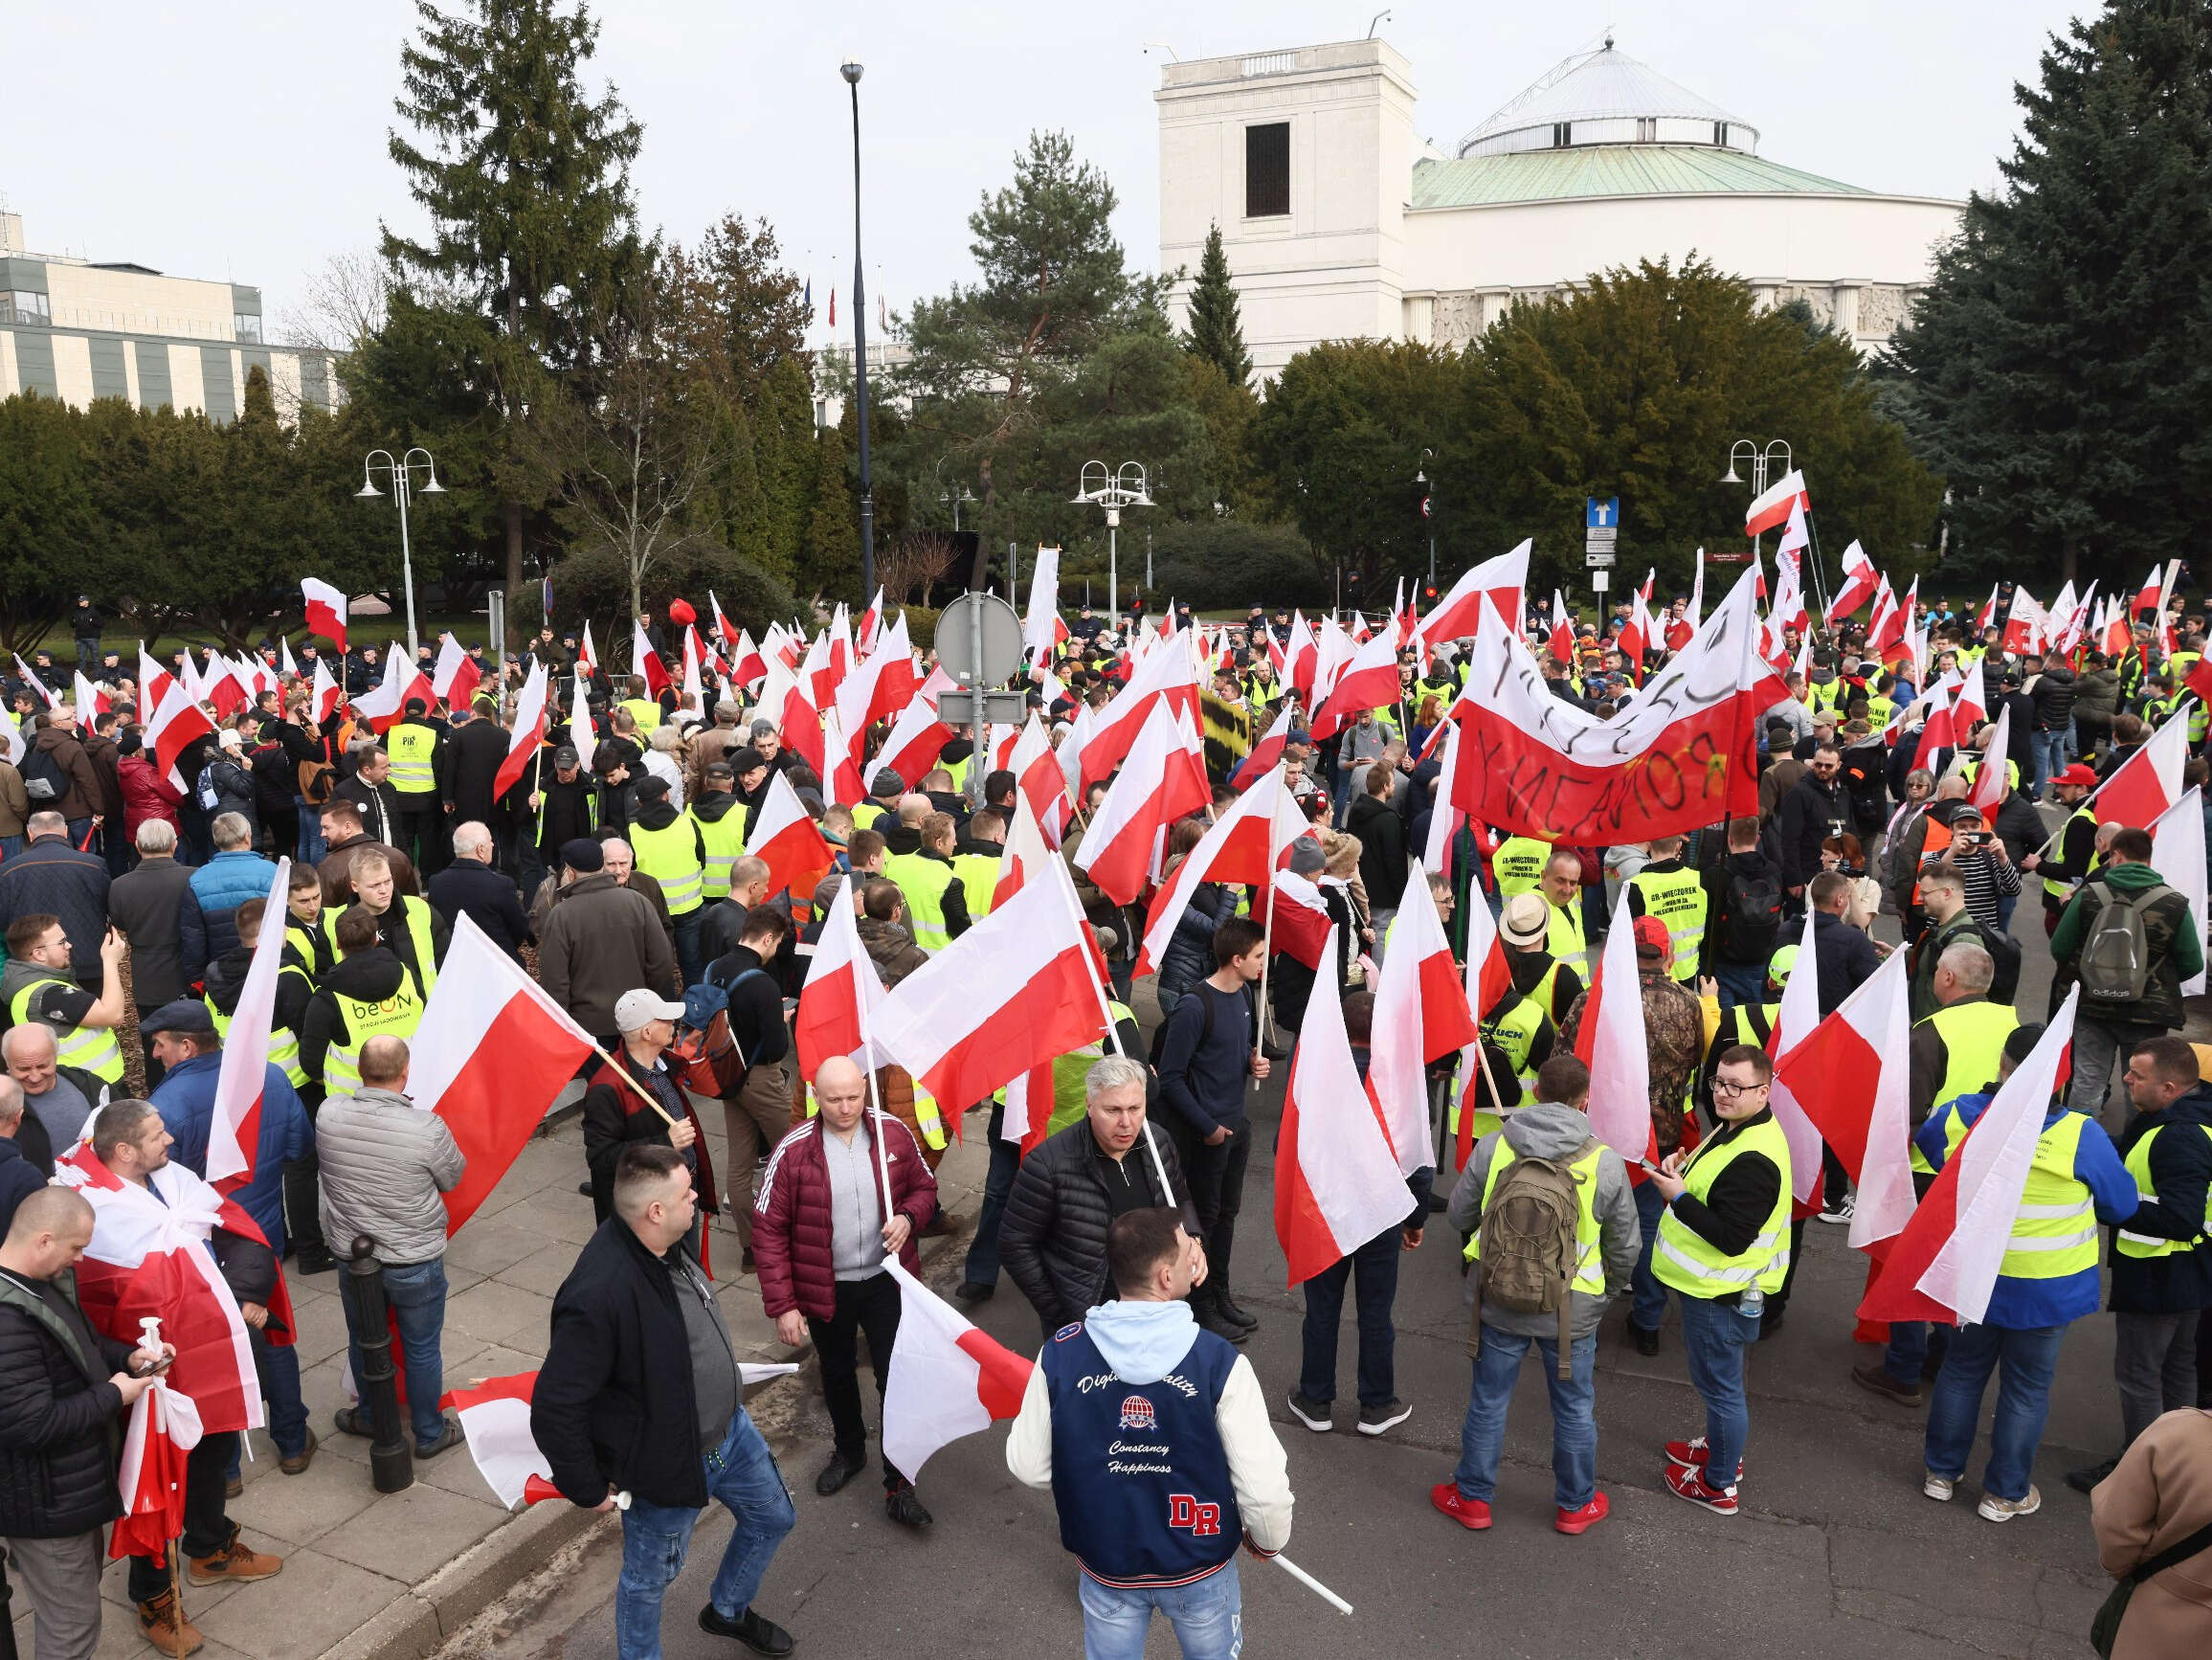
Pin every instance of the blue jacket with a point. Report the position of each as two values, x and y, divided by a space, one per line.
187 1103
2027 1305
205 914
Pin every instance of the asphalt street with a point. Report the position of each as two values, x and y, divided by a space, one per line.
1836 1551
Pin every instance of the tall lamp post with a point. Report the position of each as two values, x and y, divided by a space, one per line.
1125 486
1762 459
1420 477
852 75
400 475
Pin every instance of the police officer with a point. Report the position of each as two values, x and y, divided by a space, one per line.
417 748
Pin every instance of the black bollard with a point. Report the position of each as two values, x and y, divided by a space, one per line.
390 1451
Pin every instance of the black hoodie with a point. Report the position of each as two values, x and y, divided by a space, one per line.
370 976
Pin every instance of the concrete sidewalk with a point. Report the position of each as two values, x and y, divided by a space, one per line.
394 1575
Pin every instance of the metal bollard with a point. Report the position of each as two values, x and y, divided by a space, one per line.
391 1450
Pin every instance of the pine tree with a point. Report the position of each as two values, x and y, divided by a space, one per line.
783 447
2054 369
831 565
1216 334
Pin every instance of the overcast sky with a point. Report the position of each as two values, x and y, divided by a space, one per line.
247 140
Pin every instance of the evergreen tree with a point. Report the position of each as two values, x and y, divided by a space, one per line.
830 563
1216 334
783 448
2055 369
524 179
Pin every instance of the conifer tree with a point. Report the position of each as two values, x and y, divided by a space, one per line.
831 565
1216 334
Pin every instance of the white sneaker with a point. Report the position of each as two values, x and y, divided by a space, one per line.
1841 1211
1999 1510
1939 1488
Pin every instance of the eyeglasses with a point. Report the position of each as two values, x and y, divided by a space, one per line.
1722 1087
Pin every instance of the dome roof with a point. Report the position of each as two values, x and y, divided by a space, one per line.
1606 96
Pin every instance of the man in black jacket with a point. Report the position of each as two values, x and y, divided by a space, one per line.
1052 1238
641 1394
471 886
1813 811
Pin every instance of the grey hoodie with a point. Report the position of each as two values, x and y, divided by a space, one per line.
1550 1131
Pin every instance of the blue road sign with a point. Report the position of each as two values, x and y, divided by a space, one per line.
1601 513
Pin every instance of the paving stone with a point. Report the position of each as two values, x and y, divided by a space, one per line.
408 1536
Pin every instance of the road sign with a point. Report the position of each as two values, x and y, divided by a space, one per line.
1600 561
1600 581
1601 513
1594 540
979 621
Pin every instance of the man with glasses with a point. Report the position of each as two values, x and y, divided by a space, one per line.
1814 809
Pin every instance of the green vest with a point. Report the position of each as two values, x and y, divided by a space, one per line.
978 874
2054 1232
2138 1163
396 1016
414 748
284 1042
1678 899
88 1048
725 840
1518 865
1682 1258
670 855
922 882
1514 1026
1589 1262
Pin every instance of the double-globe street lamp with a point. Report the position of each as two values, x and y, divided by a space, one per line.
1125 486
400 475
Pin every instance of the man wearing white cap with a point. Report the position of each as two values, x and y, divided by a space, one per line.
617 1113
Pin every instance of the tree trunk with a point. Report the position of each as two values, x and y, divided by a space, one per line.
2070 555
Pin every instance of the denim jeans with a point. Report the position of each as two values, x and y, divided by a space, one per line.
1646 1297
1372 1273
415 1293
312 846
655 1538
1909 1343
2024 1362
1573 1416
10 847
1208 1617
1740 982
1714 1336
279 1366
79 830
2050 754
982 1266
687 957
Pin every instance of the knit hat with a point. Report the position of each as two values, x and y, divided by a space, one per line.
583 855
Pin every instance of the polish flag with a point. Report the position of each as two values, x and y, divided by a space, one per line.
174 725
1337 1177
1368 681
843 654
645 661
2153 595
1162 778
1610 1042
325 694
1040 781
1991 784
1788 610
1041 628
837 1003
1489 977
947 1378
815 679
165 1425
917 738
1561 639
801 725
2023 622
583 736
2148 781
1071 749
746 664
731 635
23 670
1016 990
871 620
153 680
1940 731
1988 617
841 779
1024 855
383 706
1944 1263
1421 1015
1851 1077
90 699
1333 647
456 675
1266 752
784 835
1301 658
325 611
2177 846
1886 628
1773 506
492 1052
585 654
1296 918
882 686
1445 820
1242 848
1795 1020
223 688
1458 613
1023 858
529 732
1971 703
234 1129
694 693
289 668
1634 638
1165 675
1860 581
2115 636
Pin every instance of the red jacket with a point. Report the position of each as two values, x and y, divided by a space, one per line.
791 1225
146 795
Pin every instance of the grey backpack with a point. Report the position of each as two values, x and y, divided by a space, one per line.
1528 1250
2115 966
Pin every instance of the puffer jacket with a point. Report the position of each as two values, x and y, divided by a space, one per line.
52 877
791 1241
385 1163
207 915
1190 955
2096 700
2054 699
61 1419
146 795
1053 1235
234 788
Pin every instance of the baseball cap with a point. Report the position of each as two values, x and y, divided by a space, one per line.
2077 773
1525 920
1651 937
632 1009
566 755
651 787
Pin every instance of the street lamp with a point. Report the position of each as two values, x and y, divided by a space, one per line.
851 74
1421 475
1762 459
1121 487
400 475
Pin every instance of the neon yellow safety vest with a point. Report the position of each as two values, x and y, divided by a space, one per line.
670 855
396 1016
1879 709
1564 937
284 1042
414 750
644 711
866 813
725 841
922 882
1974 1035
1518 865
1588 1264
2138 1163
959 770
2062 891
2054 1232
978 874
1514 1028
417 915
1680 1258
317 944
1678 899
88 1048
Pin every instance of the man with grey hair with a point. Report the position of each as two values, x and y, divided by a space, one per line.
145 905
59 1098
1068 1191
52 877
472 886
206 913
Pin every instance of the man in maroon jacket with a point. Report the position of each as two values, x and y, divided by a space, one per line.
842 1192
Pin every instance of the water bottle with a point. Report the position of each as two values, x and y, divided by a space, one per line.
1754 1304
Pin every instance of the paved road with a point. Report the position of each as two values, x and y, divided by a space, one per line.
1836 1551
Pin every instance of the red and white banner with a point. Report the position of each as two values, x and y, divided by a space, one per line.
1794 1022
1421 1015
527 735
164 1426
89 699
326 691
325 611
1162 777
783 834
2148 781
837 1003
1040 781
2178 855
234 1129
1296 918
1773 506
918 737
1610 1042
1459 614
1561 639
1267 751
383 705
1368 681
947 1378
1241 848
1165 675
1852 1077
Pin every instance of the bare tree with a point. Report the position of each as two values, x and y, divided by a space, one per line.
341 303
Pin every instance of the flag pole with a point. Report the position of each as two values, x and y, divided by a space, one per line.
875 1101
614 1065
1312 1584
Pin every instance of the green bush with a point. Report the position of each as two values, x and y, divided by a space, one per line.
921 625
595 584
1231 563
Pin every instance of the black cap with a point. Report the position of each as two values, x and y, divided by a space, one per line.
583 855
566 755
186 1014
416 706
651 787
718 770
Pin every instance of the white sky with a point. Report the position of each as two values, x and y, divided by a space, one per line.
246 139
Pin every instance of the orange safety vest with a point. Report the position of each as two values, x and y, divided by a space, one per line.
1939 837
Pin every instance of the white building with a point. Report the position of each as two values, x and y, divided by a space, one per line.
1340 223
76 330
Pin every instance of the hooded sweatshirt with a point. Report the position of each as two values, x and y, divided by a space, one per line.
1551 1131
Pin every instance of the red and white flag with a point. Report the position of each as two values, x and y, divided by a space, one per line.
1458 613
918 737
583 737
746 662
153 680
531 717
2178 855
1794 1022
90 699
1302 656
1489 977
947 1378
2148 781
1041 629
1165 675
586 654
1040 781
1970 704
1610 1042
235 1131
1241 848
731 635
1860 581
1445 817
1421 1015
164 1426
492 1052
882 684
1561 639
1296 918
1852 1076
325 611
50 698
1940 730
170 731
787 837
645 661
872 621
837 1004
383 705
1162 777
326 691
455 676
693 696
1992 782
1368 681
1337 1181
1773 505
1267 751
1944 1265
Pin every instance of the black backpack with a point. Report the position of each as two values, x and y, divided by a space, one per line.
1159 1043
43 779
2004 958
1751 916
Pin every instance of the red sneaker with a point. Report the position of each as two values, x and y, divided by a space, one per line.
1583 1519
1694 1454
1471 1514
1690 1484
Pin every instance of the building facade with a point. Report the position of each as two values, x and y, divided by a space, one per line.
1340 223
78 330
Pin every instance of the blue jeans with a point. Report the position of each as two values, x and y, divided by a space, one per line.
1646 1297
415 1293
1208 1617
2027 1359
1573 1416
1373 1271
278 1366
1910 1340
1714 1336
982 1266
2050 754
79 830
1740 982
312 846
655 1538
10 847
687 957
